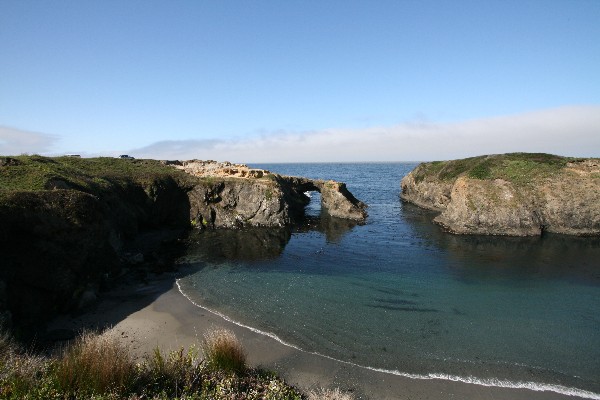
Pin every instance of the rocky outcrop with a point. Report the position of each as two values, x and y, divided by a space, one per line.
432 194
513 194
234 195
235 203
68 226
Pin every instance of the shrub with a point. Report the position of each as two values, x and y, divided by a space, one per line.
222 350
268 194
481 171
180 372
20 372
98 367
95 365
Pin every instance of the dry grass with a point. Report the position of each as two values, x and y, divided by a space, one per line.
222 350
19 371
99 367
179 372
95 364
329 394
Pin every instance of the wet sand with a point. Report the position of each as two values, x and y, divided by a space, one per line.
154 314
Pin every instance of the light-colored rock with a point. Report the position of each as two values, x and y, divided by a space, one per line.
432 195
235 195
488 208
563 200
212 168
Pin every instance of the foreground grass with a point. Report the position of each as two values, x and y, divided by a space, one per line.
99 367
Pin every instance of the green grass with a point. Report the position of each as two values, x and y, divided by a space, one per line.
268 194
518 168
86 174
98 367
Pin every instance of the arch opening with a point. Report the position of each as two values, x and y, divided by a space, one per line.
313 208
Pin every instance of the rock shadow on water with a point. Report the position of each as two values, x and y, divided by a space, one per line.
254 245
333 228
247 244
551 256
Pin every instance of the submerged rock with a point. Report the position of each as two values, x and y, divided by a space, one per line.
516 194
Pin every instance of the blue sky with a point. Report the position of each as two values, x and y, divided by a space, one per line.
260 81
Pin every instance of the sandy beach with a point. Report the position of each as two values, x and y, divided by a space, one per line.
155 313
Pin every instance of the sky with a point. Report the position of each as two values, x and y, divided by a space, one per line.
299 81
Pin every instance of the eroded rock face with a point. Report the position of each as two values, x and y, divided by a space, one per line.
566 201
61 244
488 208
234 203
430 194
234 195
339 202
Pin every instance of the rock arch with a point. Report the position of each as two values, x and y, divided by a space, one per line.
336 199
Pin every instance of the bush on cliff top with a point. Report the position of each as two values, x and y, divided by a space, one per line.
518 168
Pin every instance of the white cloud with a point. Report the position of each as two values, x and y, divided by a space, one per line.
571 131
177 149
16 141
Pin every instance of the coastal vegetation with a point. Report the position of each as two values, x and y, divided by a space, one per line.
518 168
101 367
91 175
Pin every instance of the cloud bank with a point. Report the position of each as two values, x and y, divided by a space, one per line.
16 141
570 131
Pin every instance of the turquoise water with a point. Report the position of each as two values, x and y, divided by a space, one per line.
400 295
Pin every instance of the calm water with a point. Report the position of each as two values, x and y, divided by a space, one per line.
399 294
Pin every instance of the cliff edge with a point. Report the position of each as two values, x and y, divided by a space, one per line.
515 194
68 225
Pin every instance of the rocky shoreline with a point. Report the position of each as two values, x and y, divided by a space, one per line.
69 226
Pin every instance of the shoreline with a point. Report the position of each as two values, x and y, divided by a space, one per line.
156 313
488 382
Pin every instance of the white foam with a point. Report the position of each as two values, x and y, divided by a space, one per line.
491 382
226 318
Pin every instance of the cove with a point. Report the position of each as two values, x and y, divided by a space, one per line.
399 294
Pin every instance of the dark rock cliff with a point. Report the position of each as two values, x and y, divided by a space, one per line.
516 194
67 225
58 245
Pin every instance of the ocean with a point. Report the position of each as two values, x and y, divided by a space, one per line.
401 296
